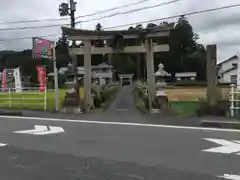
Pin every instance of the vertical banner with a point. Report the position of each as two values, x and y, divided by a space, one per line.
41 78
4 80
238 72
17 79
43 48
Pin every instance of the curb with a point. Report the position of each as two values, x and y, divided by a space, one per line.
8 113
221 124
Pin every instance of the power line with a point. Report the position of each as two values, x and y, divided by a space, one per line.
32 21
30 37
130 11
112 9
175 16
148 21
32 27
108 16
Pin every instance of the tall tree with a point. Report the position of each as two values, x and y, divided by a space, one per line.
183 42
62 53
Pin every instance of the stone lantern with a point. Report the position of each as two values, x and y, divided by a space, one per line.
161 100
71 102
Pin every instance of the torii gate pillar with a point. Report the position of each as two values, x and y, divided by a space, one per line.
150 71
87 75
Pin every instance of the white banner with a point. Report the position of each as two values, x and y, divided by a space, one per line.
17 78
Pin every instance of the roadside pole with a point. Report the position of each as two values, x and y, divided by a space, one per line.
55 78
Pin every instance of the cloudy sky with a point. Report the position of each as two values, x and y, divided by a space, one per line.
221 27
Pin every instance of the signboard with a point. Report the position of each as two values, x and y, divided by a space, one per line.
17 78
41 78
42 48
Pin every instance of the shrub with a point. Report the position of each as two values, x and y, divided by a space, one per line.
97 102
221 109
107 93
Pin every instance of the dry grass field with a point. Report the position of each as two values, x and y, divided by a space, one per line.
192 94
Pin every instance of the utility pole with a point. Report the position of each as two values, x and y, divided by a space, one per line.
74 58
65 10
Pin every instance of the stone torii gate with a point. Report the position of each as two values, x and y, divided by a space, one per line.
117 37
125 76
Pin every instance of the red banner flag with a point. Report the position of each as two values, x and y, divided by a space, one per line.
4 81
41 78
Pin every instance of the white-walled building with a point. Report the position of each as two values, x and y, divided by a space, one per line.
227 70
102 72
186 76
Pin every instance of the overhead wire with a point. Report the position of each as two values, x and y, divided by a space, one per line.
81 16
147 21
175 16
30 37
108 16
33 21
32 27
130 11
112 9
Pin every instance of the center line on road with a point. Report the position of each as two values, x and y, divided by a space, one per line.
119 123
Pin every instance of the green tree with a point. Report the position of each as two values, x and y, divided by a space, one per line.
98 27
62 51
183 46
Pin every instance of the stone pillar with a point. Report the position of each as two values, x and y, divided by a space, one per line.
87 75
150 71
138 66
121 80
212 75
110 56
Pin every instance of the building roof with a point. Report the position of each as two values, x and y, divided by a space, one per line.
229 70
227 60
102 65
81 68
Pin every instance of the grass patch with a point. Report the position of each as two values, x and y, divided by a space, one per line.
184 108
192 94
31 99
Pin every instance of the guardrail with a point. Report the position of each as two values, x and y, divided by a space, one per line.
234 99
30 96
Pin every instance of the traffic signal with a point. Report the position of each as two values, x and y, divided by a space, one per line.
63 9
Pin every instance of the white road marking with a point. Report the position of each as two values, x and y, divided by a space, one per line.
119 123
37 128
230 176
42 130
227 147
2 144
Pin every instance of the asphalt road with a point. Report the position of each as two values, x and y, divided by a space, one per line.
91 150
120 144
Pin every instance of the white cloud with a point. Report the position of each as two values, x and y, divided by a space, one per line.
219 27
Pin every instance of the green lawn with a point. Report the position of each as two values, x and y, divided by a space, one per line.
184 108
31 99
